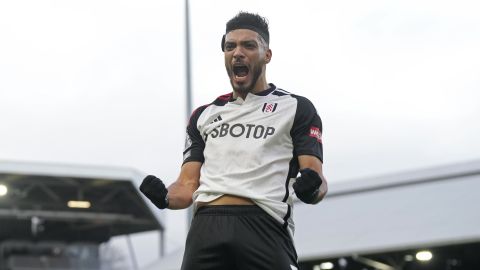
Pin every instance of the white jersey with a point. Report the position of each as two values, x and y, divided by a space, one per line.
249 148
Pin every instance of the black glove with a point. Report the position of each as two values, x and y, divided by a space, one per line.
307 186
155 191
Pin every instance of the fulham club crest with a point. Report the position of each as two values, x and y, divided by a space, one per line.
269 107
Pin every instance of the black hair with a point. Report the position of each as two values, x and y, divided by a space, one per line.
251 21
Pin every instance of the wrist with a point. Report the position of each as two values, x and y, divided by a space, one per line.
167 201
310 197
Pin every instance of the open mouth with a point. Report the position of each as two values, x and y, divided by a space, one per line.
240 70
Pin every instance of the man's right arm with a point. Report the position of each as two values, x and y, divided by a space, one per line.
181 191
179 194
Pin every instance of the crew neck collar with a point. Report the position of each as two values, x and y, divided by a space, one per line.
263 93
266 91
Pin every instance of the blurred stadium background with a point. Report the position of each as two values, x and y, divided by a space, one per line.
56 216
62 217
102 83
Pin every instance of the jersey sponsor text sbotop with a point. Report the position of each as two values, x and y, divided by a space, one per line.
243 130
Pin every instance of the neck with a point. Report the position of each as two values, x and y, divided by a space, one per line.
259 86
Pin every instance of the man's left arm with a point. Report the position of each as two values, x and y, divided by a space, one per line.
311 186
308 162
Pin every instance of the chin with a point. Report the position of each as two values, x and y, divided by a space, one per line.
243 88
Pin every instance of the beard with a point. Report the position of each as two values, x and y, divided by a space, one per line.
244 89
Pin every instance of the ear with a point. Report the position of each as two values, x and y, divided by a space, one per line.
223 43
268 56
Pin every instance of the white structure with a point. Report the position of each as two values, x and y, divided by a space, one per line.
431 208
437 206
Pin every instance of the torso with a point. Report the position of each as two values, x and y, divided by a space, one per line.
228 200
249 150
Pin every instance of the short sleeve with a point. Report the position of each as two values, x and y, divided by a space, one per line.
306 131
194 143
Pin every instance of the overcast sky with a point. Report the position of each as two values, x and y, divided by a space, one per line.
396 83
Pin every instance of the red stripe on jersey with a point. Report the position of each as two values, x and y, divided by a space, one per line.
225 97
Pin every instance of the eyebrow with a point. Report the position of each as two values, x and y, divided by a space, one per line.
249 41
244 42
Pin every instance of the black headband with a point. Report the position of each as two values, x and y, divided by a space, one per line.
262 33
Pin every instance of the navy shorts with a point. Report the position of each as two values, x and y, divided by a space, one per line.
237 237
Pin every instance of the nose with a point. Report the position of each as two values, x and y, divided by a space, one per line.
238 53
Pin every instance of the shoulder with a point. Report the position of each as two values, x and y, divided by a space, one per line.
222 100
303 103
281 92
305 110
219 101
197 112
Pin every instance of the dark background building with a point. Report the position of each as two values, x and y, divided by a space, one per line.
55 216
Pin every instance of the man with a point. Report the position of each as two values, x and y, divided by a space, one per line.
242 156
